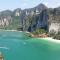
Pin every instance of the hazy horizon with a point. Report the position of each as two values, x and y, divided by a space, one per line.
24 4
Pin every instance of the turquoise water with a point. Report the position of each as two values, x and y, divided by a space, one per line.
18 46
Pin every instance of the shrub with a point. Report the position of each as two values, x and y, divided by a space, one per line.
39 31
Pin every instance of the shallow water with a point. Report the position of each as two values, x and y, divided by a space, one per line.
18 46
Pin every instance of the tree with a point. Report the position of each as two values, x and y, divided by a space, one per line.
39 31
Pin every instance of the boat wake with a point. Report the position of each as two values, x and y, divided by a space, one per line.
4 48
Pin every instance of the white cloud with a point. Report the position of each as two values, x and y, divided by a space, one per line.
52 3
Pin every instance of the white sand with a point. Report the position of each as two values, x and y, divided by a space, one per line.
51 39
27 32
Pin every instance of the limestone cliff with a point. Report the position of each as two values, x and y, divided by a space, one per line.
31 19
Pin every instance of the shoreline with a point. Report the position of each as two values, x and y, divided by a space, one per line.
12 30
51 39
46 38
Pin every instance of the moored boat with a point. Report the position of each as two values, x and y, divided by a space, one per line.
1 56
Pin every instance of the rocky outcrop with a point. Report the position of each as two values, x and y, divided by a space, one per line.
54 20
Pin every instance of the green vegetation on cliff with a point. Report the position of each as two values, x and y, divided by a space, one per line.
39 31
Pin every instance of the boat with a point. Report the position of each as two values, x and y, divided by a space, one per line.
1 56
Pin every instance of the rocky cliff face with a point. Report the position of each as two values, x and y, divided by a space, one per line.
54 20
31 19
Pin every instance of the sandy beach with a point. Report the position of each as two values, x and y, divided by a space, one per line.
51 39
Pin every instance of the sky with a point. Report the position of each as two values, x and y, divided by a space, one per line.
13 4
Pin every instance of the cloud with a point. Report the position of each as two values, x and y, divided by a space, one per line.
52 3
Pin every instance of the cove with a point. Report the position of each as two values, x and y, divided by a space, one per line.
18 46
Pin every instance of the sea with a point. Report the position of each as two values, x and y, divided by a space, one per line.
19 46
